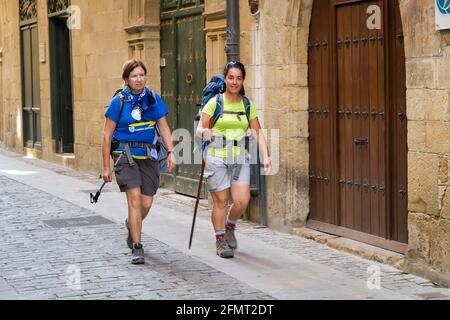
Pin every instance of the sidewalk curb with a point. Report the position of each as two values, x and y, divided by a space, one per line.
356 248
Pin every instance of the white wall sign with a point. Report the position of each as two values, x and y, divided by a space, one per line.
442 11
42 53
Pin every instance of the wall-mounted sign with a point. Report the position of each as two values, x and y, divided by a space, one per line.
42 53
442 11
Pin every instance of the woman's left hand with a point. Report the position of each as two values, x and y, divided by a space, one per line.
170 162
267 165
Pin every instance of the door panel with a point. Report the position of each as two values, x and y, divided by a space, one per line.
190 83
61 85
398 133
168 70
183 74
368 127
30 86
321 175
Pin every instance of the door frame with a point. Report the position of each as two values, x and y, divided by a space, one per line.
336 228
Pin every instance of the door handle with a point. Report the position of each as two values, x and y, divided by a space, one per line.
361 141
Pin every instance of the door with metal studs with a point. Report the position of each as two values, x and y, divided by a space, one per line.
357 122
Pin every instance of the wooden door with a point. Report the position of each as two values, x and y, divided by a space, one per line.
183 73
357 138
398 223
61 84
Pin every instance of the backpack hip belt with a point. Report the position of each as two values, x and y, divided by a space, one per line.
222 142
128 145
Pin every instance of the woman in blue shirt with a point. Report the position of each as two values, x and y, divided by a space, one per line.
133 119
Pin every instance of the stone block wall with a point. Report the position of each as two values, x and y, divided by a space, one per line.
273 47
428 108
99 49
10 105
2 120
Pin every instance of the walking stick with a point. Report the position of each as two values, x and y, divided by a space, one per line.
200 182
94 198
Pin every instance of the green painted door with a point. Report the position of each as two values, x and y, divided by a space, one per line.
31 105
61 85
183 75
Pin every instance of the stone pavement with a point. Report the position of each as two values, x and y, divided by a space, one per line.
56 245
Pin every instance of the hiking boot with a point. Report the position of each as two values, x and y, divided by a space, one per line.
230 238
223 249
129 240
137 254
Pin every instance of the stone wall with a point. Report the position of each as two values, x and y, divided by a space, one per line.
273 47
428 106
11 115
215 36
99 49
2 120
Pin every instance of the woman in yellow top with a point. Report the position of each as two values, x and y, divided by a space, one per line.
227 168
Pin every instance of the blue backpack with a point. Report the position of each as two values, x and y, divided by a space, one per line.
216 87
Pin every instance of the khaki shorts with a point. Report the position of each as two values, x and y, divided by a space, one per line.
220 175
144 174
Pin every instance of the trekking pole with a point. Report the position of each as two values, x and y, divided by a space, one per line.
200 182
94 198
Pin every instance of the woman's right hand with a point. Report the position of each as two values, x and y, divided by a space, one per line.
207 134
107 177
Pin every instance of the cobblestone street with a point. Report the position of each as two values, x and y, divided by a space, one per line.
54 248
41 262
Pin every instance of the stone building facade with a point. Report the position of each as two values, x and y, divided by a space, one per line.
274 47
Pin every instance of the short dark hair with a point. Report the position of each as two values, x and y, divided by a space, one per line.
130 65
234 64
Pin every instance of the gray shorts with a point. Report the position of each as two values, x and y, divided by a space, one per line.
144 174
220 175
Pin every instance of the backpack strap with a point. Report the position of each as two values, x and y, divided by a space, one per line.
247 106
150 102
152 97
219 110
121 99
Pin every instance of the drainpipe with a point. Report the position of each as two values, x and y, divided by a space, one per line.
232 50
233 31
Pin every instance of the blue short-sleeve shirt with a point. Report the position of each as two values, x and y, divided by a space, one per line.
140 113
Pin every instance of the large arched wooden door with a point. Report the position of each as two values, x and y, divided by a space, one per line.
357 112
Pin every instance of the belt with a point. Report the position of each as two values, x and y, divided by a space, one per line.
221 142
132 144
